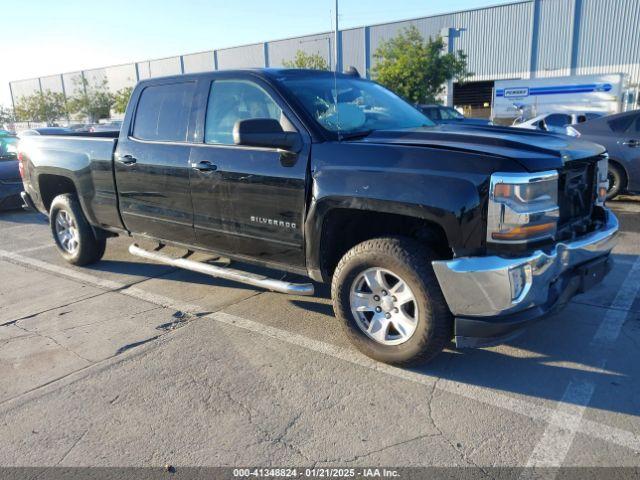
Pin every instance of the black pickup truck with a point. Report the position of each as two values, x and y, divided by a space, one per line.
426 233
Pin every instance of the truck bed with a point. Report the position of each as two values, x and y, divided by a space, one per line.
87 159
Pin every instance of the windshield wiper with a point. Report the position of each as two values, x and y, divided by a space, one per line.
354 135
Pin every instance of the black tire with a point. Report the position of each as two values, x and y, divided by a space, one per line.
409 260
89 248
617 181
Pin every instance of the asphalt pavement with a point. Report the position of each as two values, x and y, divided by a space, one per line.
131 363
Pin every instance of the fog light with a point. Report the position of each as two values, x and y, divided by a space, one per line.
520 280
602 194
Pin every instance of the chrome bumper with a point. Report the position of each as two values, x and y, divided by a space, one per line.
494 285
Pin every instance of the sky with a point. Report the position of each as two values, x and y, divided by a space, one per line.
45 37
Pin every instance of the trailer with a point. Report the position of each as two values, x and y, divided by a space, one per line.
521 100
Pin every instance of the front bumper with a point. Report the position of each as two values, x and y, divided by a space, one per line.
492 297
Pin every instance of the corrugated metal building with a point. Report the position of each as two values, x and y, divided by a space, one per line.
524 39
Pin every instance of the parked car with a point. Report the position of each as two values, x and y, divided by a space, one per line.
425 233
10 181
620 134
440 114
557 122
45 131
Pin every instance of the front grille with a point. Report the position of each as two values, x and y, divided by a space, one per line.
576 198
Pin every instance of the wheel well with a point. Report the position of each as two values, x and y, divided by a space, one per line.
343 229
623 171
53 185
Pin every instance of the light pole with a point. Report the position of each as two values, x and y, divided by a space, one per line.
335 40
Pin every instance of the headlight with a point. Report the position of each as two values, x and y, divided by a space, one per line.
603 179
523 207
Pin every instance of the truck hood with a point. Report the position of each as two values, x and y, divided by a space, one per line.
535 151
465 121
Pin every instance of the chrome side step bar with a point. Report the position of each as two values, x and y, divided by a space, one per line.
225 272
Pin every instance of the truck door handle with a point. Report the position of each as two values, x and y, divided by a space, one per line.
632 143
128 159
204 166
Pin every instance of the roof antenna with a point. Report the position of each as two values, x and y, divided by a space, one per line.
335 68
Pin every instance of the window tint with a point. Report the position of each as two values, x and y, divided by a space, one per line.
163 112
620 124
233 100
432 113
450 114
557 120
591 116
8 147
635 127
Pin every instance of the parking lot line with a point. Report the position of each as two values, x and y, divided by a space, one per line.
556 417
33 249
558 437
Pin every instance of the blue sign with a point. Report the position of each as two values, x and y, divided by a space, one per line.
516 92
520 92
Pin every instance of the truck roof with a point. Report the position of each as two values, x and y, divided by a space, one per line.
266 73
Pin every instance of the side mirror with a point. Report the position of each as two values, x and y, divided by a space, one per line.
265 132
542 125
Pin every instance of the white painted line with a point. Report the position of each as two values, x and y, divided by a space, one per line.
38 247
64 271
553 447
21 225
558 418
609 330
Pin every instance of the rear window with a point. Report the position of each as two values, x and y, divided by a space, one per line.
163 112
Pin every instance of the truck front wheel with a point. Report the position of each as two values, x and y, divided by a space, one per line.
72 233
386 294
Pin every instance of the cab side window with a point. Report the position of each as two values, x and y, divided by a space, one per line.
233 100
163 112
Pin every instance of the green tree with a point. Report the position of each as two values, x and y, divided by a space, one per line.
314 61
91 101
6 115
121 99
417 69
44 106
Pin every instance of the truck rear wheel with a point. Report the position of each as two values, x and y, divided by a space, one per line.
72 233
387 296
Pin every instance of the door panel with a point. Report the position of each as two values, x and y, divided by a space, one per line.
629 147
253 203
152 164
154 191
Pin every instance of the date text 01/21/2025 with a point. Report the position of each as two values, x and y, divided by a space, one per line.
316 472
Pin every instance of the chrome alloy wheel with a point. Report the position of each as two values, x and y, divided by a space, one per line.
384 306
67 232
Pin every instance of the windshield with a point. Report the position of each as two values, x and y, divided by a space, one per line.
8 148
362 106
449 113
